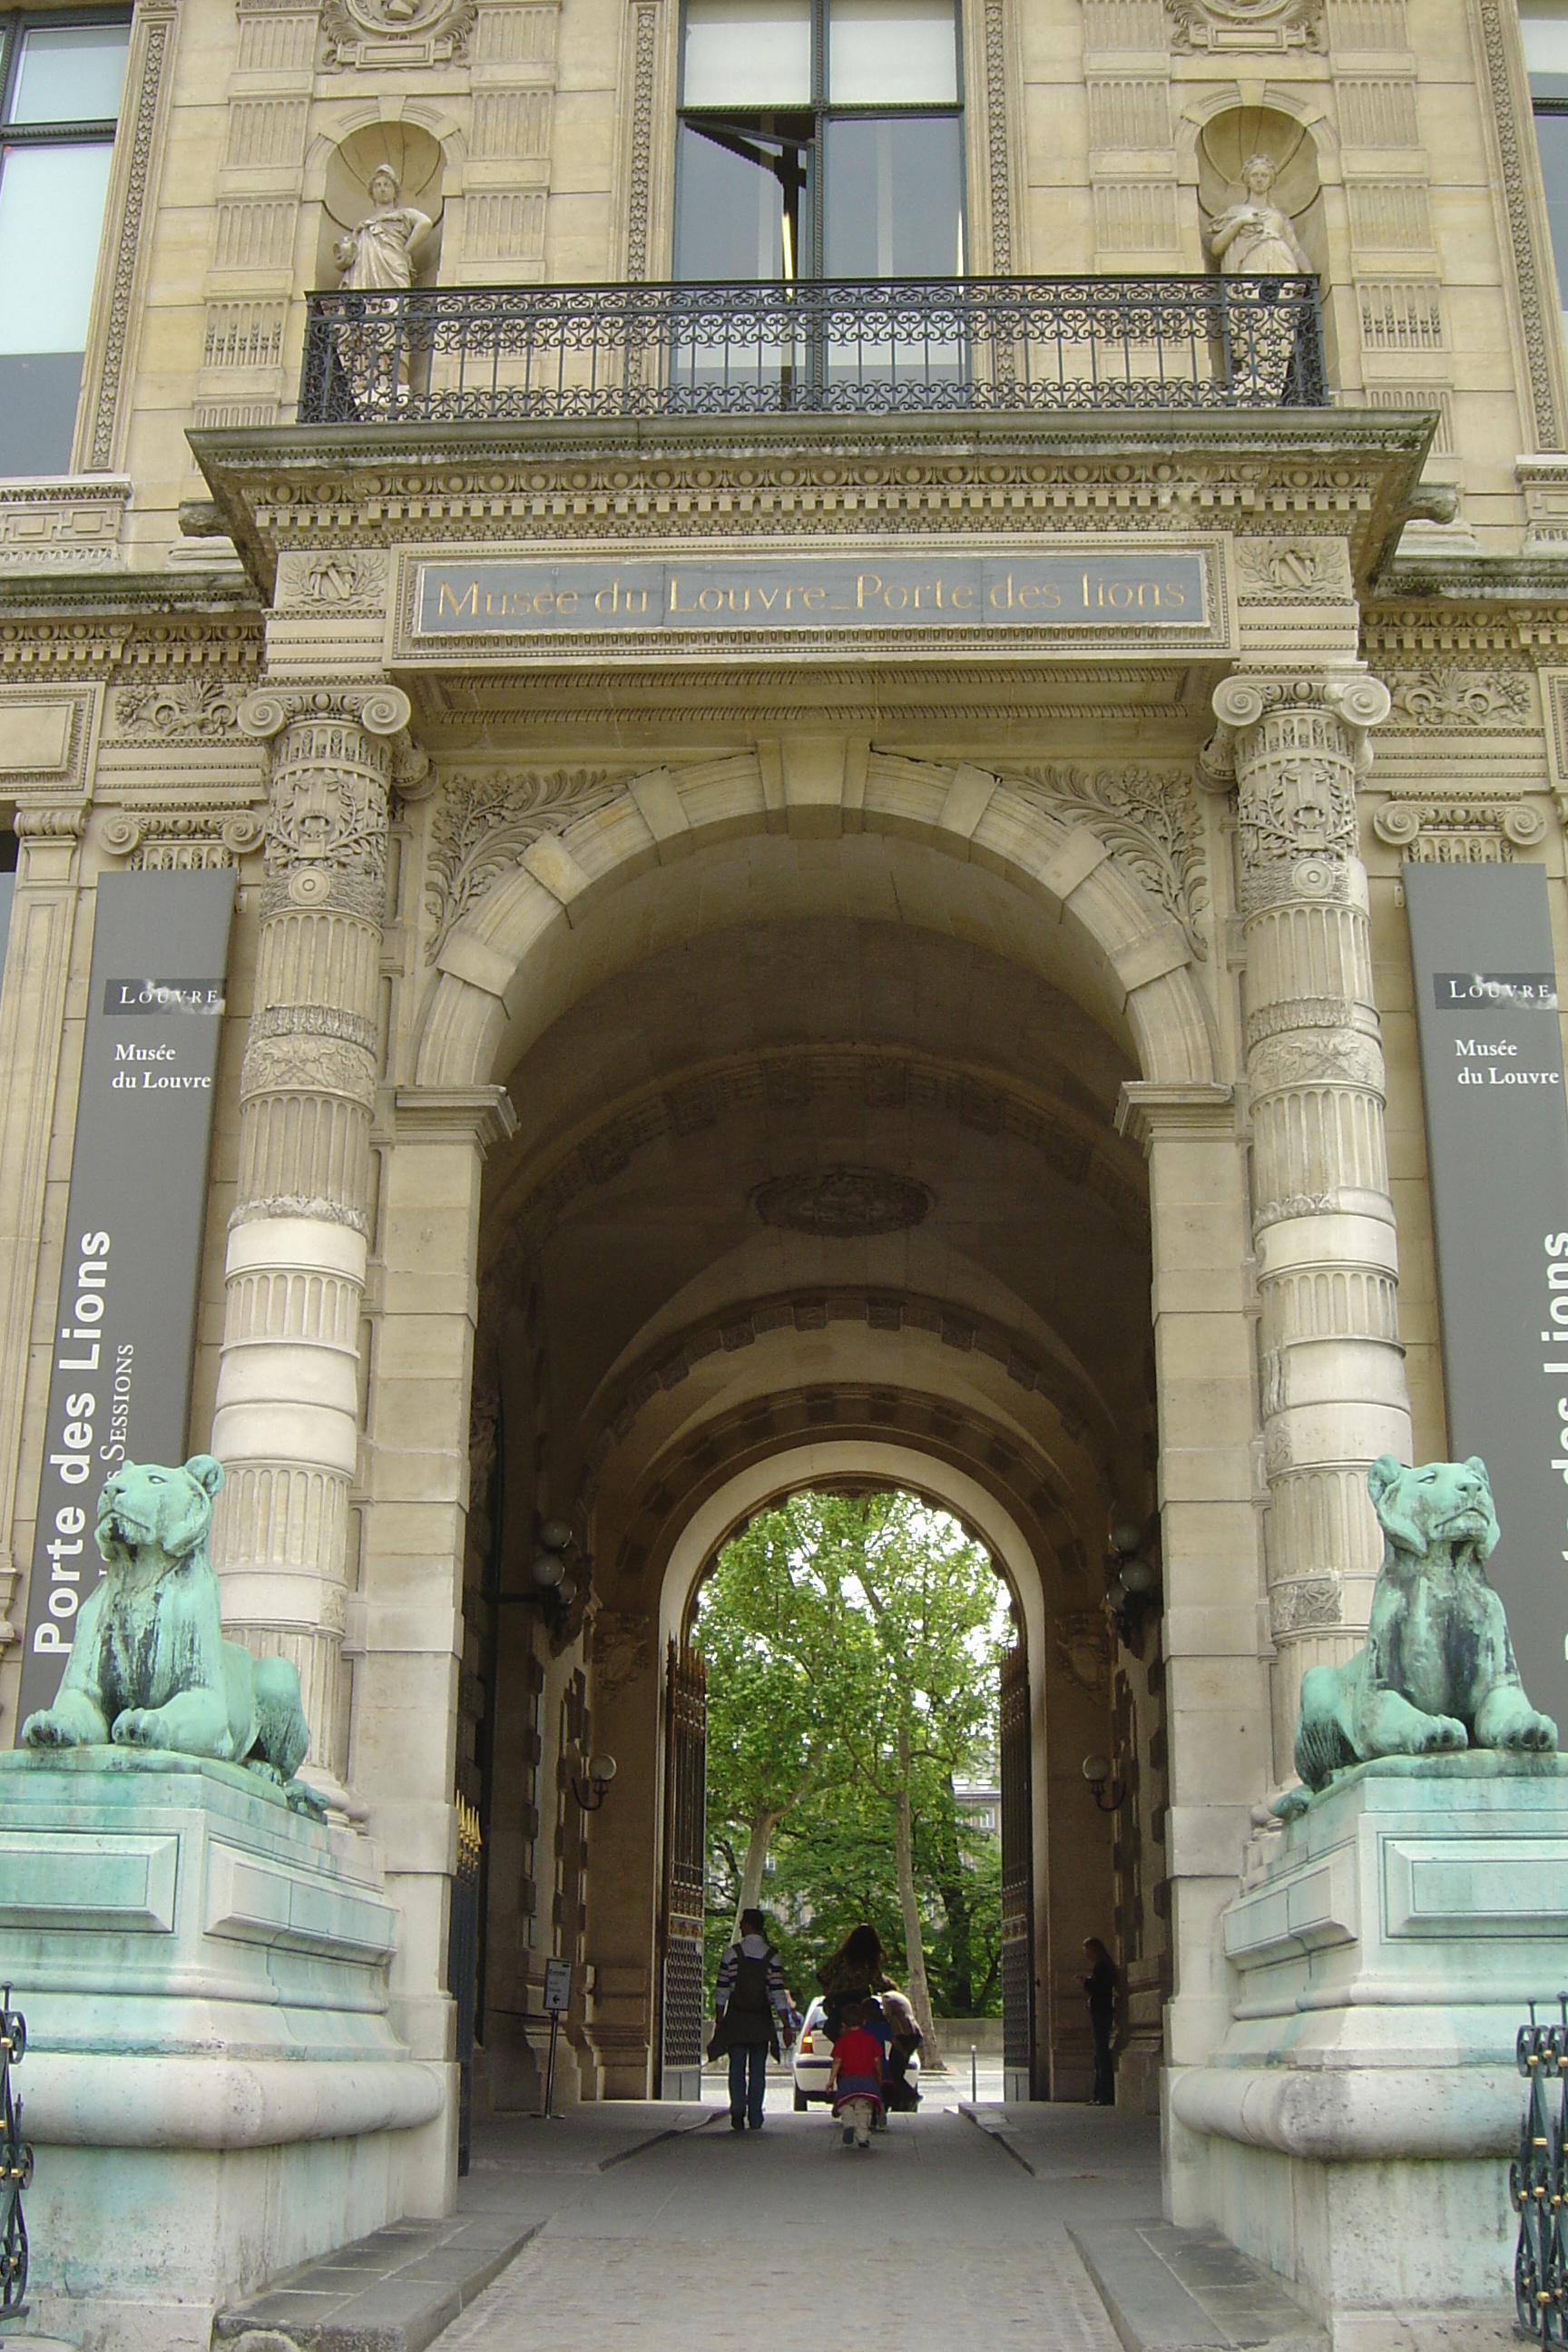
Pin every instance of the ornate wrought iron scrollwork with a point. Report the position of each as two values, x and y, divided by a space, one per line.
15 2166
1538 2182
846 347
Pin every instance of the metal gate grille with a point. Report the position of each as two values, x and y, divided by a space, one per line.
685 1874
1017 1883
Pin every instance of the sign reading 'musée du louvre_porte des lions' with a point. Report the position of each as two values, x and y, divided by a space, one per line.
1487 1017
566 603
124 1332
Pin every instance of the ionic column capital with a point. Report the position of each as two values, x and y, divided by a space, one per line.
379 709
1244 703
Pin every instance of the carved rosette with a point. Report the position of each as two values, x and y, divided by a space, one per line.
1331 1368
287 1424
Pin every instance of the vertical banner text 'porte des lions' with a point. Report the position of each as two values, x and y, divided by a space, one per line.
1497 1148
124 1332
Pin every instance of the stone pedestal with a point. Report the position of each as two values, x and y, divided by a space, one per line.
1353 2130
211 2084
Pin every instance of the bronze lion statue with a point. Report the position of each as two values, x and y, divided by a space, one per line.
150 1667
1437 1672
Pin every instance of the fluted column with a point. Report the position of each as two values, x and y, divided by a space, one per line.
287 1422
1332 1372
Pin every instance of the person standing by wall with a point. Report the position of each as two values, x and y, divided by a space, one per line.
1098 1983
751 2002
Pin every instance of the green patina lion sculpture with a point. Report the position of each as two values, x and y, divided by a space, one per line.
1437 1672
150 1667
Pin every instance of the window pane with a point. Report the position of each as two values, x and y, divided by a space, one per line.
70 73
38 412
51 217
730 217
895 199
892 53
747 53
1551 137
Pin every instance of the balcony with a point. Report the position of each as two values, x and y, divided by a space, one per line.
824 347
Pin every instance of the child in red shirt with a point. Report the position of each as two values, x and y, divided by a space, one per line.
856 2076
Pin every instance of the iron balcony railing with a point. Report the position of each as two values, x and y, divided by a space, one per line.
838 347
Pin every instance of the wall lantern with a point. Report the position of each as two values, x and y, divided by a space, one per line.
601 1771
1107 1792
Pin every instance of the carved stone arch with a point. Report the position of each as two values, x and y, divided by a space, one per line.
1138 956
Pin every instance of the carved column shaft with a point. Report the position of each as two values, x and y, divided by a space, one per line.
287 1422
1323 1232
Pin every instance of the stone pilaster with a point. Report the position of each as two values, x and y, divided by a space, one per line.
1331 1370
287 1415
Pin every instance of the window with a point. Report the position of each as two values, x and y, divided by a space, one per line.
59 94
1544 25
819 139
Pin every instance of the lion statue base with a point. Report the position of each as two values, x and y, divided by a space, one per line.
1438 1673
149 1666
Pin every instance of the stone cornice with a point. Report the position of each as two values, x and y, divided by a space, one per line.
1330 471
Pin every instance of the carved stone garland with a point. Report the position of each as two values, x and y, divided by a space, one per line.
1324 1230
287 1422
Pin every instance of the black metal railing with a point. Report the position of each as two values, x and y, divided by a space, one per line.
828 346
1538 2182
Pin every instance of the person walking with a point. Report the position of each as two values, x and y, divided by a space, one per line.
856 1972
856 2076
1098 1983
749 2003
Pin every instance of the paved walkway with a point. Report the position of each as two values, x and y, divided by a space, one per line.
935 2236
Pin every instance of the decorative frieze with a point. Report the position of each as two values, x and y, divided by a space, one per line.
1377 113
264 133
1464 699
66 525
1355 24
1401 316
277 43
506 37
512 123
244 334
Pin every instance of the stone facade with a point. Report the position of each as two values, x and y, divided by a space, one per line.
553 952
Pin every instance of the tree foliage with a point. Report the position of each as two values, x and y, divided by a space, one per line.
852 1645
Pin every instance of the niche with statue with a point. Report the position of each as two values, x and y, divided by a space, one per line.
1259 196
381 211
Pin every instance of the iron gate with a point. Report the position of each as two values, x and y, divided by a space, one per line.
685 1874
1017 1883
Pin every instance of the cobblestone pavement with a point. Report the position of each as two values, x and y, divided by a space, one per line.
932 2239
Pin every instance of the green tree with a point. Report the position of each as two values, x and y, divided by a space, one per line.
852 1645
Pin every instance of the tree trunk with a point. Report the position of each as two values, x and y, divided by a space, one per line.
919 1992
764 1824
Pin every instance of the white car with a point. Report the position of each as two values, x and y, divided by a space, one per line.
812 2059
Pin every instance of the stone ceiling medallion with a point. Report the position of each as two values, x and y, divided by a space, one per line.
842 1203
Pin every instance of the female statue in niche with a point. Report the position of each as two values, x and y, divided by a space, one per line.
378 256
1254 238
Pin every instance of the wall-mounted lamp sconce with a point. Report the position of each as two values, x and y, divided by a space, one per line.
1134 1588
601 1772
1108 1794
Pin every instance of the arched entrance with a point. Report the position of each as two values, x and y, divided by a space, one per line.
816 1147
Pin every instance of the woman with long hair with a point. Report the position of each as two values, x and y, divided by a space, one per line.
855 1973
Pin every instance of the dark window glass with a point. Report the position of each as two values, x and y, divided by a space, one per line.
59 91
820 138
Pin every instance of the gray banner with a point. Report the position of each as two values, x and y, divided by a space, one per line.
125 1328
1496 1150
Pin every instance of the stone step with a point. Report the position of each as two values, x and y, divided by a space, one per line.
392 2292
1170 2290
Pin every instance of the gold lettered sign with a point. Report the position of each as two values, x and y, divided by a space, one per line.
1006 598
